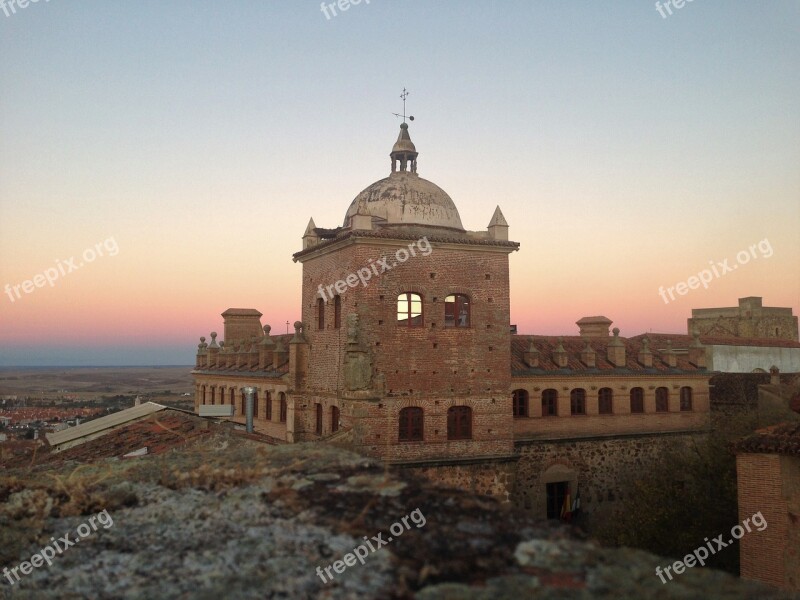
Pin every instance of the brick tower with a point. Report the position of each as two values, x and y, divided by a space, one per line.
406 316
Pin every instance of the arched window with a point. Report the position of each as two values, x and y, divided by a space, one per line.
334 418
605 398
244 405
686 398
459 423
519 399
213 395
282 397
255 404
662 399
409 310
337 311
232 395
637 400
549 403
318 427
204 394
269 406
456 311
410 428
577 401
320 313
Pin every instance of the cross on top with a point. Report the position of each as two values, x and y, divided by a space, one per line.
404 95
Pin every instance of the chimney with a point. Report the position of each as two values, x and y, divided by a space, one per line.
697 352
616 350
774 375
248 394
531 356
560 355
594 327
588 356
645 356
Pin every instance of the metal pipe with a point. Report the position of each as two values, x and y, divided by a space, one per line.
249 392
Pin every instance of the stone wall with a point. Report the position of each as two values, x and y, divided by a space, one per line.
598 467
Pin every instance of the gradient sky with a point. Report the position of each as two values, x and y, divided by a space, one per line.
626 151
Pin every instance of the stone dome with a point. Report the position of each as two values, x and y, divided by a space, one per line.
405 198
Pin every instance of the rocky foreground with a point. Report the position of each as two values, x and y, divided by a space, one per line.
225 517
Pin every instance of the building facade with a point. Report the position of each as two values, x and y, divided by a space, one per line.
404 352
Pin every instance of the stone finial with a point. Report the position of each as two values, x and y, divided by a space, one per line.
560 355
645 356
310 237
298 337
669 353
588 356
213 343
531 357
498 226
616 350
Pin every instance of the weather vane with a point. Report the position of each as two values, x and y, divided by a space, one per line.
404 95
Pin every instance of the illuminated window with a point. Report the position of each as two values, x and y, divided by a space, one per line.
409 310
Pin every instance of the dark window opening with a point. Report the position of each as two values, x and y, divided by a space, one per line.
549 403
577 401
411 424
605 398
556 493
459 423
637 400
520 402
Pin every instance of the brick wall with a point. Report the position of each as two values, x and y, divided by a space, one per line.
770 484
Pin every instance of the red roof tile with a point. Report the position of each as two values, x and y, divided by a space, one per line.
778 439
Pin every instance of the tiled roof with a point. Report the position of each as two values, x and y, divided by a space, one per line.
158 433
574 345
778 439
658 340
